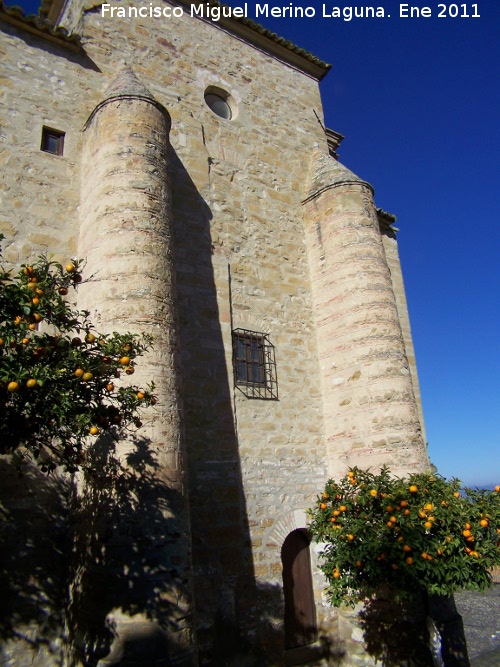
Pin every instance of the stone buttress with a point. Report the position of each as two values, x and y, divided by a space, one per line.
370 412
126 238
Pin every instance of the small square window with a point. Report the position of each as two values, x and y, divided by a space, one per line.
254 364
52 141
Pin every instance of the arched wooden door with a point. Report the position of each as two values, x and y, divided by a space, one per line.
300 612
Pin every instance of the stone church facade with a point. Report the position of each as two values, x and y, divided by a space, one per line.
187 161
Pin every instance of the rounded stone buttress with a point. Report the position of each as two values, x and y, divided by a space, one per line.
126 238
370 413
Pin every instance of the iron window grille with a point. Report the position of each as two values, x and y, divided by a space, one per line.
254 364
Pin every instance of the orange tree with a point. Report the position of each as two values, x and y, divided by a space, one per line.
59 385
419 534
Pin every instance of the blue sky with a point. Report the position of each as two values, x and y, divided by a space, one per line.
418 100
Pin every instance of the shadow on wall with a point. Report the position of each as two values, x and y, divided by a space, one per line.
231 609
35 547
126 536
62 577
397 635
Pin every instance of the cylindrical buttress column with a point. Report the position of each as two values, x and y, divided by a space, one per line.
370 412
126 238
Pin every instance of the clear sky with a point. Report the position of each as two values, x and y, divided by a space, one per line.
418 100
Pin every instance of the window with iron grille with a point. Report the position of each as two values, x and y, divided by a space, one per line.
254 364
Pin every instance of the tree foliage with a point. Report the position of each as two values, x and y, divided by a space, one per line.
60 380
421 533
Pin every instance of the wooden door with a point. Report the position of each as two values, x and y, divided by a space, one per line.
300 612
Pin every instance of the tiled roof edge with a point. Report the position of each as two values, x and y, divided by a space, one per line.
39 26
243 27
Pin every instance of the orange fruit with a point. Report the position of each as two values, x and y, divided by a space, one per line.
322 506
428 525
373 493
336 574
325 494
31 383
358 563
333 519
467 526
413 488
140 396
466 533
79 372
35 301
342 508
456 494
13 387
389 508
497 488
350 537
409 560
69 268
89 338
444 503
407 548
353 480
130 370
63 291
404 503
429 507
406 512
392 519
125 361
350 473
93 430
484 523
87 376
390 524
110 386
31 286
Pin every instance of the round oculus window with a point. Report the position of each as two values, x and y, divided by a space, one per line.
218 105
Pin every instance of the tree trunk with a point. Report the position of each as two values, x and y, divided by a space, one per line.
443 611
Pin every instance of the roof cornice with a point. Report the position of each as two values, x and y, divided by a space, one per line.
41 27
245 28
